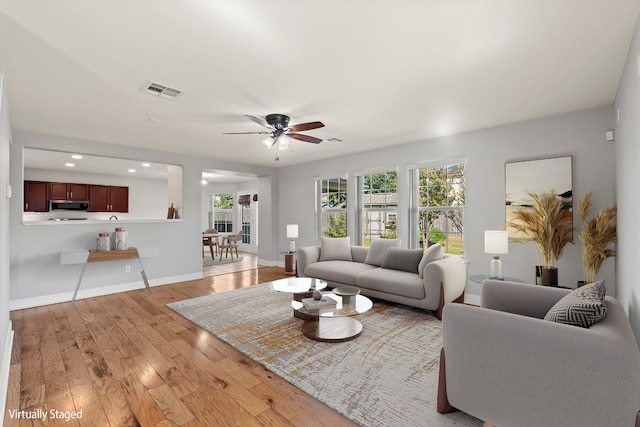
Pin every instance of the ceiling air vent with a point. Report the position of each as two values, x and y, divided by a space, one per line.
163 91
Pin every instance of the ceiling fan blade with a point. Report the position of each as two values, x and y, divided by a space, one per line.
305 138
306 126
259 121
246 133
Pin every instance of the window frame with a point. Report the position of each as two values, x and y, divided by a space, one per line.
361 210
321 210
414 200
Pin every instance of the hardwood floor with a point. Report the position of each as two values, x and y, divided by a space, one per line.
127 360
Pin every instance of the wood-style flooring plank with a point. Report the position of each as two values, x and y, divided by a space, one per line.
128 360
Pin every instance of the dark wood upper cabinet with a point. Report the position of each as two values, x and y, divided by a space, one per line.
36 196
119 199
68 191
106 198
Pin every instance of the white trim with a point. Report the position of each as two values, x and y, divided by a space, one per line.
270 263
96 292
388 169
472 299
436 163
340 175
5 369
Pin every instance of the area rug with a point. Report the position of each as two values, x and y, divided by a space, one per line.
387 376
208 262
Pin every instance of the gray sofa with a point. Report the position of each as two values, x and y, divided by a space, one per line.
443 280
503 363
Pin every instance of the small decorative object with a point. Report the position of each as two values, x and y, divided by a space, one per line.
103 243
120 239
597 234
317 295
496 242
292 235
544 223
348 293
314 304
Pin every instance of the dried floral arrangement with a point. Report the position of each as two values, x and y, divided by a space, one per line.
545 226
597 234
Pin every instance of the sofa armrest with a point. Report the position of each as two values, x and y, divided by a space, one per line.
520 298
450 273
540 371
307 255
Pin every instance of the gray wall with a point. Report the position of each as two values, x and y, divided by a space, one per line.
579 134
5 323
627 190
36 274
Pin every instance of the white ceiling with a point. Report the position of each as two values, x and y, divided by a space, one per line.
377 73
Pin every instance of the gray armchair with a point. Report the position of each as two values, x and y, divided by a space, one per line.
504 364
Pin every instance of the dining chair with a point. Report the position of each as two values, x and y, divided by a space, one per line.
210 242
231 242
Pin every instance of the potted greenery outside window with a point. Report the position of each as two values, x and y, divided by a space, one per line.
544 223
597 234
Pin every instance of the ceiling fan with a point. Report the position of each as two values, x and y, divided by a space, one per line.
280 131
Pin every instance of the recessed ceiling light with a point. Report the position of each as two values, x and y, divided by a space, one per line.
132 170
69 165
77 156
204 182
146 165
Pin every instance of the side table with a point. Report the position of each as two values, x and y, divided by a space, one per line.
288 263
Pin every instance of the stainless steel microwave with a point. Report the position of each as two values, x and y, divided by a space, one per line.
69 205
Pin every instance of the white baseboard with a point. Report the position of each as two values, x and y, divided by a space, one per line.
96 292
270 263
5 368
472 299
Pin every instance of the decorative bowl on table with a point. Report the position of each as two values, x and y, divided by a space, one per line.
347 293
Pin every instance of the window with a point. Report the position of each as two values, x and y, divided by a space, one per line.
437 206
378 206
222 217
332 210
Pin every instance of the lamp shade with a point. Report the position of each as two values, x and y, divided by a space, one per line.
496 242
292 231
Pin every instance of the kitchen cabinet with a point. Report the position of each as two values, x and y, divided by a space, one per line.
68 191
108 198
36 196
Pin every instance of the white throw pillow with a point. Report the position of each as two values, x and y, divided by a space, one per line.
433 253
378 250
335 249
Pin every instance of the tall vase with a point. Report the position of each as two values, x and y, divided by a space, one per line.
550 276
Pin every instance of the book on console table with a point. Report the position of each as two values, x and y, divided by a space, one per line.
314 304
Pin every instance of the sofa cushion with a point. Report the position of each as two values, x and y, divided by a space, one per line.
378 250
433 253
335 249
582 307
402 259
392 281
344 272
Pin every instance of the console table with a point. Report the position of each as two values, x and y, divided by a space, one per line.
85 257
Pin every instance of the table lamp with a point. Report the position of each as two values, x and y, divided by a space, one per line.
292 235
496 242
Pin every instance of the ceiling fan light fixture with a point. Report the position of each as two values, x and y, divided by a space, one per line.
283 142
268 142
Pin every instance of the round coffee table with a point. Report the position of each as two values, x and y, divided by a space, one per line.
299 287
335 324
